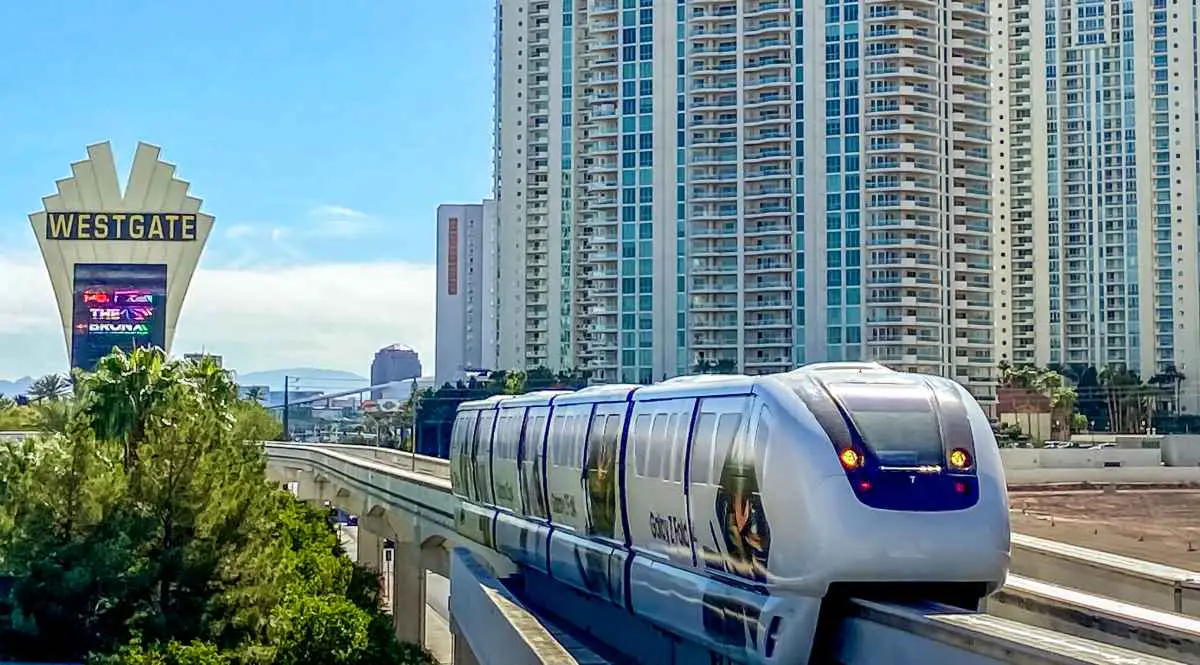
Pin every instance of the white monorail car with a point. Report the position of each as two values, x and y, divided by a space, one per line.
726 509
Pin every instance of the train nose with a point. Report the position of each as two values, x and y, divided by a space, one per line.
871 544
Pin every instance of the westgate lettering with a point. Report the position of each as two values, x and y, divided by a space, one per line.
136 226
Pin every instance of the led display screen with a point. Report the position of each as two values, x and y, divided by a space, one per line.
116 305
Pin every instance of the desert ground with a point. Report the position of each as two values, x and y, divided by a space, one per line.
1161 525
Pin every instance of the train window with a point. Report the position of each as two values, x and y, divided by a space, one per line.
896 422
728 425
556 441
513 438
577 437
498 437
702 449
658 446
512 434
677 431
641 440
762 435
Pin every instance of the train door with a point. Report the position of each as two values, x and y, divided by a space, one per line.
466 457
722 479
482 456
532 454
600 481
732 538
456 437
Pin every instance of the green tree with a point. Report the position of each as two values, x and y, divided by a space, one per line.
49 387
180 552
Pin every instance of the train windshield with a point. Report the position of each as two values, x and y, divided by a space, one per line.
895 421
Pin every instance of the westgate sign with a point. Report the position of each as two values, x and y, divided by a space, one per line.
170 227
120 259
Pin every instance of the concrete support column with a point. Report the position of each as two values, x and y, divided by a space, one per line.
370 550
408 593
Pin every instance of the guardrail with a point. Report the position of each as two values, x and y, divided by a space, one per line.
1113 622
1135 581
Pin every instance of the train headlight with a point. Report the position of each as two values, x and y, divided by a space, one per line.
959 459
850 459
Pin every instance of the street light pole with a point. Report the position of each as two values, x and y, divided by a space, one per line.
287 433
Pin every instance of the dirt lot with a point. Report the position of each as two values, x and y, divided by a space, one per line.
1154 525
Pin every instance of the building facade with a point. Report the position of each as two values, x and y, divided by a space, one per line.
1096 160
754 183
466 290
120 262
394 363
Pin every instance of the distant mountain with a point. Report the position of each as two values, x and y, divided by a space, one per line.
305 378
14 388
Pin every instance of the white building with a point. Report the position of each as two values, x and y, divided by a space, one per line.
1096 176
764 182
466 290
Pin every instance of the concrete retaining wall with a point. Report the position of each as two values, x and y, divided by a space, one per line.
1181 450
1167 475
1069 458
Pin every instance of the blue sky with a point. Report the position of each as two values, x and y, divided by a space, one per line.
321 135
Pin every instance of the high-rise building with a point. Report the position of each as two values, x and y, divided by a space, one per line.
1096 160
394 363
760 182
466 290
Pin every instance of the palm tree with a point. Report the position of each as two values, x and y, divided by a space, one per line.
49 387
123 392
1170 378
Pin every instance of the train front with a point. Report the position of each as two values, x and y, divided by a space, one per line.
914 490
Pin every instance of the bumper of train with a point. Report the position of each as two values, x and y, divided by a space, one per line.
857 543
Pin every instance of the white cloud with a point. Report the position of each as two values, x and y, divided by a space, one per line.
332 221
333 316
337 211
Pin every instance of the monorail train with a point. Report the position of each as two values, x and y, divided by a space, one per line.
727 509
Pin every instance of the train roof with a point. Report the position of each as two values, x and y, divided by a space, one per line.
535 398
613 392
700 385
486 403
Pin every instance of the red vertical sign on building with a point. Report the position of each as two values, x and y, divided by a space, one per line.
452 257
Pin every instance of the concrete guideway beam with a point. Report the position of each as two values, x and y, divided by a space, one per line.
492 627
1145 630
919 636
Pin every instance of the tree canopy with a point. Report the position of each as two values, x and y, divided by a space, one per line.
139 529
